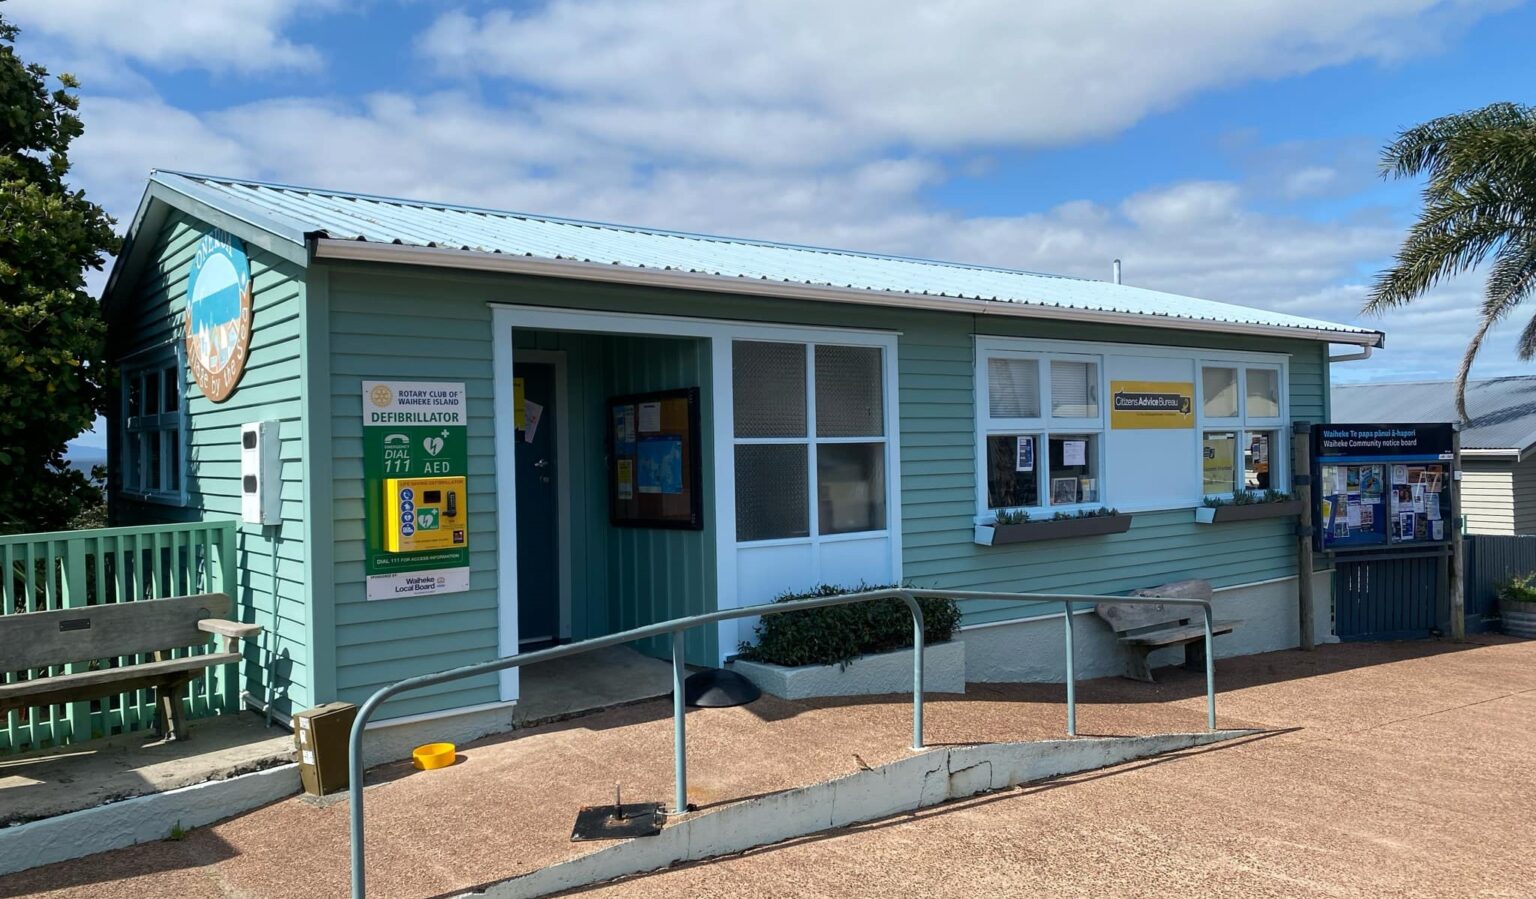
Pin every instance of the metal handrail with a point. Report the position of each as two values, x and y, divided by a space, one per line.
675 627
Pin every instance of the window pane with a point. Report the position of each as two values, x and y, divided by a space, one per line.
1263 393
772 483
173 444
1074 390
850 487
155 441
135 394
1013 388
1012 477
133 474
172 384
848 392
1259 460
769 388
1220 388
1218 462
1074 469
152 393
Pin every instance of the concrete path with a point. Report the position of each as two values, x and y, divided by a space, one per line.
1399 768
1412 777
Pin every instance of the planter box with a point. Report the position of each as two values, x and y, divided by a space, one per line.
1031 531
1519 618
886 672
1247 512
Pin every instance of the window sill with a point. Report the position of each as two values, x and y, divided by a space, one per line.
1061 529
158 499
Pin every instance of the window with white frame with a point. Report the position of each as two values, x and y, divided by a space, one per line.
1041 426
810 440
153 464
1242 428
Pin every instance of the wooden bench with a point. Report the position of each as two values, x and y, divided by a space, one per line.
1145 627
34 640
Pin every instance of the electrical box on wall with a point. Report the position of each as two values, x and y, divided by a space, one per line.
261 482
424 513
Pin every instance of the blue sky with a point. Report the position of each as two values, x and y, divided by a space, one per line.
1227 152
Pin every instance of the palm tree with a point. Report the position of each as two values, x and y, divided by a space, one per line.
1479 201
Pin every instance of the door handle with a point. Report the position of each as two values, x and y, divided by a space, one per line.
542 463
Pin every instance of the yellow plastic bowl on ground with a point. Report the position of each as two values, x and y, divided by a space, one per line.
433 755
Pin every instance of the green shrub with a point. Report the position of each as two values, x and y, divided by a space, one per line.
836 635
1520 588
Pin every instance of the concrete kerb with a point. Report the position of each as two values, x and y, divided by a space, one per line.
141 819
924 780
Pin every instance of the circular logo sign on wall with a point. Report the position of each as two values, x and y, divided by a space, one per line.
218 314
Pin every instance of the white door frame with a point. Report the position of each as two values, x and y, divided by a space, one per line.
557 358
720 332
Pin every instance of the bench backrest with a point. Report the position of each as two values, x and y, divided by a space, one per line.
36 639
1131 618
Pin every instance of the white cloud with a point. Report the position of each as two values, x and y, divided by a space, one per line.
805 81
220 35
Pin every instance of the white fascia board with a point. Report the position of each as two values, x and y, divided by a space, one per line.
445 257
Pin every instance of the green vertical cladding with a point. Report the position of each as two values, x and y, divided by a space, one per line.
406 322
271 586
660 573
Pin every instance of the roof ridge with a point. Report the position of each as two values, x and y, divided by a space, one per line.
638 229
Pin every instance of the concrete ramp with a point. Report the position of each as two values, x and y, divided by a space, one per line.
926 779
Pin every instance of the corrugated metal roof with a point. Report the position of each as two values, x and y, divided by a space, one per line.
1503 410
295 212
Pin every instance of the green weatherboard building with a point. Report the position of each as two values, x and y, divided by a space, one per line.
490 429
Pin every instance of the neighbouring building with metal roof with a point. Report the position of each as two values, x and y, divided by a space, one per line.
453 433
1498 444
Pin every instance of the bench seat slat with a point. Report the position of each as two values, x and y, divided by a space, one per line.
39 639
1184 634
90 684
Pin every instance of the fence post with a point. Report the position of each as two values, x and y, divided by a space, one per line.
679 729
1301 479
1458 559
75 595
1071 672
1210 672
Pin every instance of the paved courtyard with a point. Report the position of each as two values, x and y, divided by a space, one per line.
1386 769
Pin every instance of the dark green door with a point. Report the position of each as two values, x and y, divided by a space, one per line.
538 551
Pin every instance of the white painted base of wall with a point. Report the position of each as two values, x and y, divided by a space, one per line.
392 740
142 819
1034 651
872 675
904 786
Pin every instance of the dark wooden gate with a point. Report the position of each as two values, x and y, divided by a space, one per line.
1391 596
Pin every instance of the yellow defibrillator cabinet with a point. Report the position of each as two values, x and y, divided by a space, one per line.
424 513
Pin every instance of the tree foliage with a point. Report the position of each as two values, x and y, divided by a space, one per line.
1479 204
52 336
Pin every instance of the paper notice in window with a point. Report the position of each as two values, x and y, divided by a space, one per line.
1025 455
650 418
1353 515
532 412
1074 452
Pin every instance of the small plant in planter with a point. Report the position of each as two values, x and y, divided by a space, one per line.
1016 525
836 635
1246 505
1517 605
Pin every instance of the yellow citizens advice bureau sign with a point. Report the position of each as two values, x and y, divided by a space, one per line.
1151 404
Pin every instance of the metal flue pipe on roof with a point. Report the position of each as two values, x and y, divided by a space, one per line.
1117 271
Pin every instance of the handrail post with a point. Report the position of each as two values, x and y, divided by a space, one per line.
1071 672
679 729
1210 672
355 773
918 640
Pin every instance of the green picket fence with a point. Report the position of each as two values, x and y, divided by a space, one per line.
72 569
